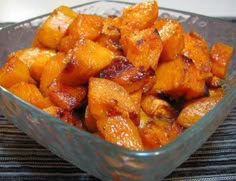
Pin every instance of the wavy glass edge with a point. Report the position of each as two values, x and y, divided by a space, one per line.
205 122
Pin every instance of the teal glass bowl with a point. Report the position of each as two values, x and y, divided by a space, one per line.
92 154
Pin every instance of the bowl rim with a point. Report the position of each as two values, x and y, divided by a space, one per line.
182 138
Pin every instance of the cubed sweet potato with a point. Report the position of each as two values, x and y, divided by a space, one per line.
157 133
139 16
14 71
196 109
35 59
171 33
90 121
156 107
31 94
64 115
195 51
143 48
86 26
52 69
125 74
67 43
220 56
107 98
55 27
87 58
65 96
178 78
120 131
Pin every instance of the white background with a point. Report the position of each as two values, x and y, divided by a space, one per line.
19 10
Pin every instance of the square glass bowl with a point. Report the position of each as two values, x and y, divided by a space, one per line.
92 154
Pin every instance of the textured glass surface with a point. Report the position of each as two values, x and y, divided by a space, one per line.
92 154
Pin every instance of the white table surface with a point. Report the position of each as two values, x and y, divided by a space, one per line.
19 10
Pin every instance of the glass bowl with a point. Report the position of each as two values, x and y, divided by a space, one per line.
92 154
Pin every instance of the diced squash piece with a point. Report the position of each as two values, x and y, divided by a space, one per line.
195 110
136 99
111 27
125 74
157 107
35 59
14 71
171 33
194 51
55 27
64 115
140 16
51 71
158 133
86 26
31 55
216 92
67 43
220 56
199 41
143 48
31 94
214 82
179 77
120 131
87 58
107 99
65 96
90 121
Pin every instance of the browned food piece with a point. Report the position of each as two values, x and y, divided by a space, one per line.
157 107
65 96
67 43
143 48
136 98
64 115
171 33
90 121
55 27
199 41
14 71
220 56
195 110
31 94
139 16
120 131
108 99
51 71
35 59
158 133
86 26
178 78
86 59
125 74
195 50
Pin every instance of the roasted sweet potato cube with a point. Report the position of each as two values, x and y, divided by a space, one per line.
220 56
55 27
31 94
214 82
171 33
196 109
136 98
64 115
107 99
14 71
125 74
35 59
157 133
87 58
216 92
140 16
199 41
52 69
65 96
86 26
156 107
111 27
143 48
120 131
178 78
194 50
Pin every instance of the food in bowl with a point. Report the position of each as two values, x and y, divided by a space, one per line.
137 80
